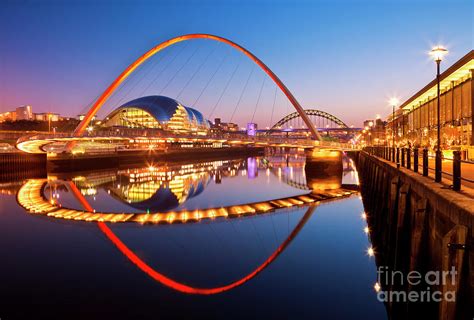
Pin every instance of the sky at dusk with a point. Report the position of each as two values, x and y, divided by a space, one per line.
343 57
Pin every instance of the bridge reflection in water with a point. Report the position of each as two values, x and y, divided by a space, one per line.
160 188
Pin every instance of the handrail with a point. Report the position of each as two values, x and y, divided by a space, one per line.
135 134
404 156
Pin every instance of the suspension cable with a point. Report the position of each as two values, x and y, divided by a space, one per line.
242 93
165 68
210 79
179 70
195 72
258 99
225 88
273 106
274 231
156 62
257 234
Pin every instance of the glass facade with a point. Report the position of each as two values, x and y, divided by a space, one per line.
416 121
158 112
455 118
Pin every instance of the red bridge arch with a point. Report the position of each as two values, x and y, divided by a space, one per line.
131 68
176 285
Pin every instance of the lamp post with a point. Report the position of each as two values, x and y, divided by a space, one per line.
49 122
371 126
438 53
393 103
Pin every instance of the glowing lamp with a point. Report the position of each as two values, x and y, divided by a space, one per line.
377 287
370 252
393 101
438 53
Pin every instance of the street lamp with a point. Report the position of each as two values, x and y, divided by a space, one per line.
393 102
49 122
438 53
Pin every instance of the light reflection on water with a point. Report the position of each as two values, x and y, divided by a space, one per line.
186 186
309 279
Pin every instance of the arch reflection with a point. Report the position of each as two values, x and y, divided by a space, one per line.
138 187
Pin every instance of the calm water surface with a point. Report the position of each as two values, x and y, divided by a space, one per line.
53 268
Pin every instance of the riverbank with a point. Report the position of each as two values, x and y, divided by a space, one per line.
419 225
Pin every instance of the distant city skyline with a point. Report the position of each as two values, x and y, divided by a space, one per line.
346 58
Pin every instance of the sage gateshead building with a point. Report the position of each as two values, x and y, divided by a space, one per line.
158 112
415 122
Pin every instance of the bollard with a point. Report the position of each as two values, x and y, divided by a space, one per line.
425 162
438 165
408 158
456 170
403 157
415 159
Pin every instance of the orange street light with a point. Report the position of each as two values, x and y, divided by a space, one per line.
438 54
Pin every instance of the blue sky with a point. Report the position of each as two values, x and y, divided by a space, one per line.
344 57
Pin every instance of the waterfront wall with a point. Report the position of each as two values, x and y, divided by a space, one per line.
17 165
417 224
68 162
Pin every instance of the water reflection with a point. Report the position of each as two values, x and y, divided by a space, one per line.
153 191
165 187
181 287
230 220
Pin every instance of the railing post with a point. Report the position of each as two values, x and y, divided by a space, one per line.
438 166
403 156
398 156
408 158
456 170
392 152
415 159
425 162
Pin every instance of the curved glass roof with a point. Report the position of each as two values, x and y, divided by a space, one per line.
164 199
162 108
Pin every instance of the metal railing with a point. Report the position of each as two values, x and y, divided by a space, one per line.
409 158
160 134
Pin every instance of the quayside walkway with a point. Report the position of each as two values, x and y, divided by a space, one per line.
416 221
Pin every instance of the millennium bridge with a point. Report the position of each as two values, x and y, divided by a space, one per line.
123 139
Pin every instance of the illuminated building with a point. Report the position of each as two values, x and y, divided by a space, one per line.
24 113
415 122
374 133
251 129
21 113
224 126
81 117
8 116
158 112
46 116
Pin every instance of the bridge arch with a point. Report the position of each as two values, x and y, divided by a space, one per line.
132 67
174 284
184 288
310 112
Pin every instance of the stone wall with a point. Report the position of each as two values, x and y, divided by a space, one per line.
417 224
